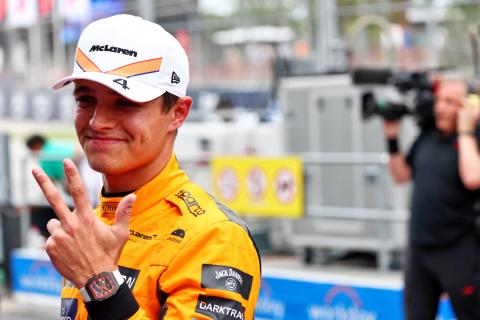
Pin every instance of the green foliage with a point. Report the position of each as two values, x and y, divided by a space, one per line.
259 12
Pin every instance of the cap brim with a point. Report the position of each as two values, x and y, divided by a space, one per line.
129 88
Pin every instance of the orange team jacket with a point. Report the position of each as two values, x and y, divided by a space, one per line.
187 257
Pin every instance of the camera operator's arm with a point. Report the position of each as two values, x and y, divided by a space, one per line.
398 165
468 152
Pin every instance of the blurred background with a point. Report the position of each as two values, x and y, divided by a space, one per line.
279 131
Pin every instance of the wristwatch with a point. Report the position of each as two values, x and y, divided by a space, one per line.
102 286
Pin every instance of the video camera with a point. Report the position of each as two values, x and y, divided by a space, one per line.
415 88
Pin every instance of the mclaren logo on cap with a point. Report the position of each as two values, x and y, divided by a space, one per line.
97 47
175 78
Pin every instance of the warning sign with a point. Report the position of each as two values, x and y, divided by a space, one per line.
258 186
227 183
256 183
285 185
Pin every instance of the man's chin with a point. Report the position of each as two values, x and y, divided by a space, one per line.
100 166
445 127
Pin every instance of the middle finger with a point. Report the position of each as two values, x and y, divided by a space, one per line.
77 189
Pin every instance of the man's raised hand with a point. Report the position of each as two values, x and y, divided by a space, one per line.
81 245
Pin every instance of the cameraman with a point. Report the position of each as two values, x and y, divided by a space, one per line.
442 254
469 154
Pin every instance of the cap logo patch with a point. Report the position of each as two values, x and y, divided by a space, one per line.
106 47
175 78
127 71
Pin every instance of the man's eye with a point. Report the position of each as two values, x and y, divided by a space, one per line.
85 100
127 104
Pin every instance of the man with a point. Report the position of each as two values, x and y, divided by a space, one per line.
40 211
443 254
35 143
158 246
48 155
469 153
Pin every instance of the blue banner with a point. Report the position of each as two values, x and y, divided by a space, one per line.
34 275
296 296
287 298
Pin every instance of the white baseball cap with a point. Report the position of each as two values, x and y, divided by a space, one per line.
134 57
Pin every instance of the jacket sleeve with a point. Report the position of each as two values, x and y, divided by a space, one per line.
215 276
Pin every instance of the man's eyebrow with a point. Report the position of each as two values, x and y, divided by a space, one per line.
82 90
85 89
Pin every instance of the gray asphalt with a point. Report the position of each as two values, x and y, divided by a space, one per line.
12 310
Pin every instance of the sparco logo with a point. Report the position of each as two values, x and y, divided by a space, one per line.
191 202
109 207
97 47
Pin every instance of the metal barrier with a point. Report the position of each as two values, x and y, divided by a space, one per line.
348 205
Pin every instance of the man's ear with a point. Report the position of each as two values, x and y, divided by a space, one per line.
180 112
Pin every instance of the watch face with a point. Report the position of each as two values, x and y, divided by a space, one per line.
102 286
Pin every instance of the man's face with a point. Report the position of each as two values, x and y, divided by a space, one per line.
36 148
121 137
448 103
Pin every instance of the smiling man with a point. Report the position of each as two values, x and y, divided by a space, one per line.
157 246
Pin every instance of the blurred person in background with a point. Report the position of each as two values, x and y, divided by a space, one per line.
443 252
48 154
469 154
157 246
40 212
35 143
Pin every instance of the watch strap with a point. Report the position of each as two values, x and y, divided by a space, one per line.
118 278
122 305
84 294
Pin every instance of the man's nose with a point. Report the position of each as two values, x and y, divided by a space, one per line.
101 118
440 106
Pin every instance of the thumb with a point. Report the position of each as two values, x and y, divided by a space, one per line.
124 210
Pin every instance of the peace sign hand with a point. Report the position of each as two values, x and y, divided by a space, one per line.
81 245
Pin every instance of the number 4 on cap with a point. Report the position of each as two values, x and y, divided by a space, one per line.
122 82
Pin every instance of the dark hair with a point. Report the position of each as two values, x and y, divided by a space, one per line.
34 140
168 101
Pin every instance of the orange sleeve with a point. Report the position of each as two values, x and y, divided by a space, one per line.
215 276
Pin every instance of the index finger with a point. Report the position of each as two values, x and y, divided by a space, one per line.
77 189
52 195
